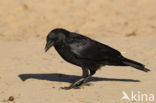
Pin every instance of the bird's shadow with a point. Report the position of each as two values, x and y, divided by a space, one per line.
68 78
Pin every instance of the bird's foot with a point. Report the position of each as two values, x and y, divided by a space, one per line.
75 85
78 84
66 88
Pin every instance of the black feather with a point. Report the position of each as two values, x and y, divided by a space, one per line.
135 64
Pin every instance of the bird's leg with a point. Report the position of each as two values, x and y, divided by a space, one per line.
90 75
80 82
85 76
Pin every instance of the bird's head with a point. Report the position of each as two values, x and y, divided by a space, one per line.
55 36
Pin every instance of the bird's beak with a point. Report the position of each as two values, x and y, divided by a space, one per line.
48 45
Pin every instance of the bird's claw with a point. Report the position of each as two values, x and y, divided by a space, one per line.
76 86
65 88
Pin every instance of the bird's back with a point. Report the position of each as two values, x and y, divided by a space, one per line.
85 47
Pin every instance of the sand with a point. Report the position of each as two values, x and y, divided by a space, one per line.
32 76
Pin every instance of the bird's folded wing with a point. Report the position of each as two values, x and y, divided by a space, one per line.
92 50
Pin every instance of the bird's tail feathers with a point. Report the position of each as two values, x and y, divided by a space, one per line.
135 64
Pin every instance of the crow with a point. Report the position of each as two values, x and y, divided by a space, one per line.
86 53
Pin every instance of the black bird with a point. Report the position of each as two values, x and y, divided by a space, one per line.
87 53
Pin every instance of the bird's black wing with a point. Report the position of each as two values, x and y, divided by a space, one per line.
86 48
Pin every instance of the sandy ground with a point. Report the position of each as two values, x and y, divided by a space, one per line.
31 76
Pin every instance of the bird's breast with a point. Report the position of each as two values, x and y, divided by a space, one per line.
66 54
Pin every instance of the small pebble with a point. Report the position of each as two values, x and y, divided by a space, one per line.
53 87
11 98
